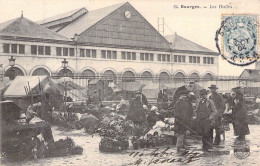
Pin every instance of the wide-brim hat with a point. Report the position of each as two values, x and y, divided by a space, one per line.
203 92
236 88
138 92
213 87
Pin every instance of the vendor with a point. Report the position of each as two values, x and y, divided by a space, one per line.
136 112
183 113
94 98
122 104
31 110
153 117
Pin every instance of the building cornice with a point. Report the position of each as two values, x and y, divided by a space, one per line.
14 38
195 52
170 50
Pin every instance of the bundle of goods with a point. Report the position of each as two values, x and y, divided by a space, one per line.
160 134
19 148
254 116
114 132
150 140
63 147
96 111
76 107
88 122
66 121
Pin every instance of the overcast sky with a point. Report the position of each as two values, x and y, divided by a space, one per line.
197 25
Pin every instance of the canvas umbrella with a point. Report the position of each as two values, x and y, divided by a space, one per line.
68 84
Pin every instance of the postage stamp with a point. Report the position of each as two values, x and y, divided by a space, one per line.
240 38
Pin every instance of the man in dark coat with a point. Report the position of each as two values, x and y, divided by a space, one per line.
176 96
136 112
220 105
95 98
239 113
183 112
205 115
144 99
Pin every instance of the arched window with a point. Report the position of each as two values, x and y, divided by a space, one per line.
179 76
40 72
146 75
128 76
89 74
109 75
13 72
65 73
194 77
208 77
163 76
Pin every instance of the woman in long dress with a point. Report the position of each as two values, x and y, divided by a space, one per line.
239 114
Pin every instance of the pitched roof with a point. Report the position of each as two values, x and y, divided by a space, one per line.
87 20
60 16
180 43
23 27
250 74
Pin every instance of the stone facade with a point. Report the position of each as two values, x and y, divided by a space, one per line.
126 48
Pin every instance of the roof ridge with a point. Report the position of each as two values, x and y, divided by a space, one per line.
109 6
49 18
119 5
26 22
192 42
11 22
46 28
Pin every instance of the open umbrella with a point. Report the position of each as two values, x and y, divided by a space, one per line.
69 84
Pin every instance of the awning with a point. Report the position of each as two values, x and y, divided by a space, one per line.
131 86
113 86
23 86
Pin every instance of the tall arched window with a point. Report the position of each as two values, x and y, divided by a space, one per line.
128 76
194 77
40 72
164 76
13 72
147 75
179 76
65 73
109 75
89 74
208 77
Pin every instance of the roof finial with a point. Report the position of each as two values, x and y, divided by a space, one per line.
22 14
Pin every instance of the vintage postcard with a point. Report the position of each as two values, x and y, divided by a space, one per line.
129 82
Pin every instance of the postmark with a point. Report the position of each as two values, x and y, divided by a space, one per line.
241 150
239 39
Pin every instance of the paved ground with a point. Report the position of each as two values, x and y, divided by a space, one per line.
92 156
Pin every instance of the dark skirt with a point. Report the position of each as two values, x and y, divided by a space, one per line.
240 128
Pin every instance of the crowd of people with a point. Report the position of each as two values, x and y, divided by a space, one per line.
208 114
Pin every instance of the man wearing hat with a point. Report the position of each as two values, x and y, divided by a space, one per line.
205 115
183 112
239 114
136 112
220 105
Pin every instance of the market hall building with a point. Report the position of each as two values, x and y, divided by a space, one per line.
115 43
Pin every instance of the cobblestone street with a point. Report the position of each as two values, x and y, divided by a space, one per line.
92 156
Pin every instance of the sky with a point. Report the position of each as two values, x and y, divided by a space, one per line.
197 25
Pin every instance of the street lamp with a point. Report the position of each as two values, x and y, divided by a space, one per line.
64 63
12 63
64 66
